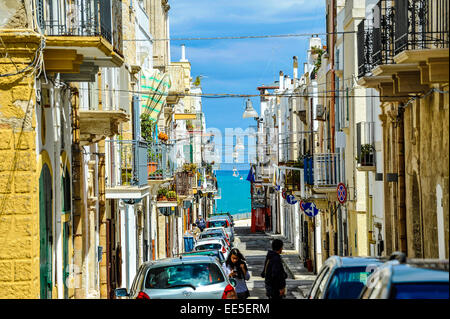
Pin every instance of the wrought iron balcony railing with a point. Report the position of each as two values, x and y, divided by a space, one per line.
184 181
128 163
365 144
160 163
81 18
323 170
399 26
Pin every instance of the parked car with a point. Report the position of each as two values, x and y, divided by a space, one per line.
221 222
226 214
209 252
186 277
343 277
216 232
213 243
409 279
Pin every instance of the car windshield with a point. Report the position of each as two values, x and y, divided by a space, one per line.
208 246
347 283
421 291
210 235
214 253
217 223
184 275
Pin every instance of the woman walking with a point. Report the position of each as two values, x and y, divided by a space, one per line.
235 267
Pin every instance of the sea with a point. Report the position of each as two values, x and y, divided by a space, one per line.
235 192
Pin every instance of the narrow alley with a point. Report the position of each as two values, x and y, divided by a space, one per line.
254 247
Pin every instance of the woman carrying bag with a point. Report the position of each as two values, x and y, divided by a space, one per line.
236 268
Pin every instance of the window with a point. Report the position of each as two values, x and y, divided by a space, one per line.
347 283
201 274
421 291
316 284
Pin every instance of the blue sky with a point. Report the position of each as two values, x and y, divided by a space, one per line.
240 66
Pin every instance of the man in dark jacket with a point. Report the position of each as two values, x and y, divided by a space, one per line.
274 274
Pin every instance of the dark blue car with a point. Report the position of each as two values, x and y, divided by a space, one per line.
343 277
415 279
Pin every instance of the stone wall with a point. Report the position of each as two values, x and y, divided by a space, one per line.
19 213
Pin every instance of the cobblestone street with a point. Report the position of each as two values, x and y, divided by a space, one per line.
254 246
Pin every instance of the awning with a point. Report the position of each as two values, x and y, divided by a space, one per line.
156 86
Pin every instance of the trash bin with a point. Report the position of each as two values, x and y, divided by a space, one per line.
188 243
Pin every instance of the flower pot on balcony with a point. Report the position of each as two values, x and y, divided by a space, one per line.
151 167
161 198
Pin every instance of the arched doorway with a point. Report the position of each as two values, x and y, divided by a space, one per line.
45 232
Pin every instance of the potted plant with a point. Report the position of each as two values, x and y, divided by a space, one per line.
163 136
367 154
148 126
171 196
162 194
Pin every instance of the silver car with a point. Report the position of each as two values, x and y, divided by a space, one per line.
186 277
224 222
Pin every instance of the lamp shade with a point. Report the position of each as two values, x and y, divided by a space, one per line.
249 110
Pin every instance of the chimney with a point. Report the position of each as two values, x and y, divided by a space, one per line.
295 68
281 82
183 54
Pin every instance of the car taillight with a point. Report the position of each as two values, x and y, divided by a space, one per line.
224 250
229 292
228 224
142 295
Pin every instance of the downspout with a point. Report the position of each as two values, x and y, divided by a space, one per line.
76 193
57 184
401 204
333 75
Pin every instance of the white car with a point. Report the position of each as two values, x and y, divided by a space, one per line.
213 243
214 232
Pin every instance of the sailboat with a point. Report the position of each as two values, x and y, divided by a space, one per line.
235 172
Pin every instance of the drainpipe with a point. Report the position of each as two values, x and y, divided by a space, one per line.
368 211
77 209
333 74
401 203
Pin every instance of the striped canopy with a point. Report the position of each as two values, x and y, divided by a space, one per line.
156 86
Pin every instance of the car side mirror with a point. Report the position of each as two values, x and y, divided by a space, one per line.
233 282
121 292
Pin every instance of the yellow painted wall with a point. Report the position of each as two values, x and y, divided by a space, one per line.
19 212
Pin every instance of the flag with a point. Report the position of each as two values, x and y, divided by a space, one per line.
251 175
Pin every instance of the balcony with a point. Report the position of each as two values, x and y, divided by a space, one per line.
80 34
184 182
404 48
365 146
128 169
323 172
160 164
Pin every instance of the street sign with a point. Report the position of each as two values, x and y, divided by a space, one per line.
310 209
291 199
301 205
341 193
283 194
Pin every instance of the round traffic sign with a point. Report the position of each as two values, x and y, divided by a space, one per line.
283 194
310 209
291 199
301 205
341 193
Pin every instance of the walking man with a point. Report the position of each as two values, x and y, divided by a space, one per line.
273 273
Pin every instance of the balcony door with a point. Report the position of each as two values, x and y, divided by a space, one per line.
45 232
